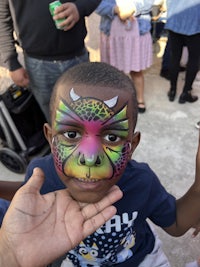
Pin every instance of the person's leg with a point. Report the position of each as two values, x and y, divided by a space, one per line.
164 72
193 44
74 61
138 80
177 43
43 74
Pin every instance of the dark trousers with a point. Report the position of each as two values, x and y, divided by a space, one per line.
177 42
166 56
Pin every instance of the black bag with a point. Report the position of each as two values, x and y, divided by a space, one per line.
26 115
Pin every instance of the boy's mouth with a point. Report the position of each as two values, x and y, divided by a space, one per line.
88 183
84 180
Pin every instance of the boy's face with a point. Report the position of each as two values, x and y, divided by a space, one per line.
91 138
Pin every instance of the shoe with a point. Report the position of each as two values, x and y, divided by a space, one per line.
171 94
197 125
187 97
141 107
165 74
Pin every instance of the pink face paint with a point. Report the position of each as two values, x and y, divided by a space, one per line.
92 140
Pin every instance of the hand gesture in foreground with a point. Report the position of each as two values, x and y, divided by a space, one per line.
37 229
188 206
197 181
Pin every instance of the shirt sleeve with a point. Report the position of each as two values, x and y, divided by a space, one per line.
162 210
7 42
4 205
86 7
105 9
143 6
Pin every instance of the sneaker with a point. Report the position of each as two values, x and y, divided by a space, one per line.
187 97
197 125
171 94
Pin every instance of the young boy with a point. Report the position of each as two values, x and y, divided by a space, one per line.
92 138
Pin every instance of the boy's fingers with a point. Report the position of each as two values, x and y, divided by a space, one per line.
113 195
98 220
198 160
35 182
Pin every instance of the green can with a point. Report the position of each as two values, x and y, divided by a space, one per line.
52 8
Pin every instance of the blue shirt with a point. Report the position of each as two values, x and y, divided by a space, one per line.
183 16
4 204
127 238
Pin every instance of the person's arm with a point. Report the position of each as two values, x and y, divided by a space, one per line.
7 42
188 206
8 189
106 9
86 7
9 56
72 12
37 229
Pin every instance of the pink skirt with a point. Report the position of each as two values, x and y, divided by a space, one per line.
125 49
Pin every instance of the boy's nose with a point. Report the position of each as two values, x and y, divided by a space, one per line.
92 160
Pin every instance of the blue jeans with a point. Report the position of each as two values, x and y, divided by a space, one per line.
43 74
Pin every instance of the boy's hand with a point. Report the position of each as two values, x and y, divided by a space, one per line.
188 206
197 181
197 176
37 229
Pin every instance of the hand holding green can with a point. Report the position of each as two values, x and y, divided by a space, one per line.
52 8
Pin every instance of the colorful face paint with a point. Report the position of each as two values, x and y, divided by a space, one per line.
92 140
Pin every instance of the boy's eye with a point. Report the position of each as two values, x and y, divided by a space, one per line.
72 134
112 138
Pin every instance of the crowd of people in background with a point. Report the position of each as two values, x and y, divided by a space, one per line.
123 25
44 59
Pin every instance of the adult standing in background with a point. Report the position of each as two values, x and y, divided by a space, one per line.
125 39
183 23
48 51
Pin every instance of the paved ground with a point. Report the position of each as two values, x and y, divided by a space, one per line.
168 143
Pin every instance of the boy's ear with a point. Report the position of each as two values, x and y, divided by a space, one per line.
135 141
48 133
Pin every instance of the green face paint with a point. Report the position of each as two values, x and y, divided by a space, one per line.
92 139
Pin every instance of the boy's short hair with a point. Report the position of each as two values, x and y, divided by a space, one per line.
97 74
